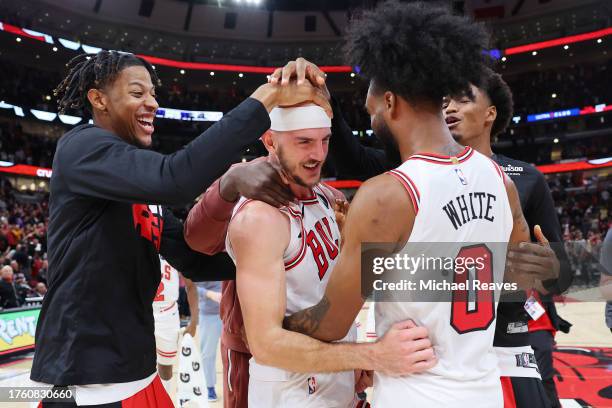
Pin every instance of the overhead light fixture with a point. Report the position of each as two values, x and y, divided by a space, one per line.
555 140
240 75
182 71
566 47
554 95
70 120
90 50
43 115
534 53
504 59
352 75
72 45
54 49
599 40
212 73
18 39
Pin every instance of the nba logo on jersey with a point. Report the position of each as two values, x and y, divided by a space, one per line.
462 178
312 385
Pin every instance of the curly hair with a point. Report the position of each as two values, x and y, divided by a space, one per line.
87 71
418 51
500 95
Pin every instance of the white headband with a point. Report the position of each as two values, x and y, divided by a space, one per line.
301 117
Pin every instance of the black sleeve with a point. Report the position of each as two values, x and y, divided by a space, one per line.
96 163
541 211
351 157
192 264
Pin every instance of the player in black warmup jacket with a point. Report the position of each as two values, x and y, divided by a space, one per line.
107 226
473 118
481 112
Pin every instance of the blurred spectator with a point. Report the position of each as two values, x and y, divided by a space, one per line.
22 289
40 290
8 293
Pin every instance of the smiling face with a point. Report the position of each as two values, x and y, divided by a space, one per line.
127 105
301 153
469 116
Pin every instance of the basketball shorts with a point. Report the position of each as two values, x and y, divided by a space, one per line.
520 378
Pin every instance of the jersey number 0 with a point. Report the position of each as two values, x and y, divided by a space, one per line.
463 318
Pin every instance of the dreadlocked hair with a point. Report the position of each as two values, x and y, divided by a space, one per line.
87 71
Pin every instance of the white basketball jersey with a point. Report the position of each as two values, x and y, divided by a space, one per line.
309 260
457 200
168 289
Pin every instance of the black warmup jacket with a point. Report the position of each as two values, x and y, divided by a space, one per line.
107 226
354 160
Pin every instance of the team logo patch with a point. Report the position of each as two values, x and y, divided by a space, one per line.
149 222
527 360
462 178
312 385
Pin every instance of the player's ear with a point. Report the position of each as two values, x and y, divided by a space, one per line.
268 141
390 103
97 99
491 114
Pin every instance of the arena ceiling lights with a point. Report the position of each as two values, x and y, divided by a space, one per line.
162 113
559 41
72 45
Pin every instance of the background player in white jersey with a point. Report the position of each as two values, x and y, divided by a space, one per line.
283 263
167 319
414 55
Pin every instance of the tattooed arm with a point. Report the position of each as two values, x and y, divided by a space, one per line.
380 212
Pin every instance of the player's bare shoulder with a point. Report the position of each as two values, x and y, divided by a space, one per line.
256 220
382 205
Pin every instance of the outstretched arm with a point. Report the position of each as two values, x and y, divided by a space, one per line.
206 225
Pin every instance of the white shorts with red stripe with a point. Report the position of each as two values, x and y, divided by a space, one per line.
167 327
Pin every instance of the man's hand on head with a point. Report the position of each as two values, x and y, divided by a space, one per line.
302 70
290 94
257 180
